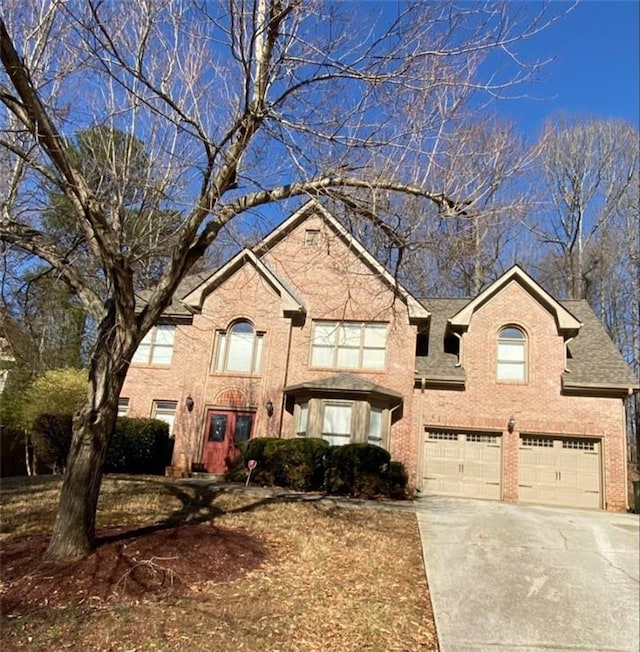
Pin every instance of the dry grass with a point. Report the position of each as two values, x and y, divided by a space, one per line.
335 577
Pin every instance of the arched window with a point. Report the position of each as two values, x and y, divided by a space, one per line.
512 355
239 349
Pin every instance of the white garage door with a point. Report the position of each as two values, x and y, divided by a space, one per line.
560 471
462 464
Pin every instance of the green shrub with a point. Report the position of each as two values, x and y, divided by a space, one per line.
297 463
291 463
358 470
139 446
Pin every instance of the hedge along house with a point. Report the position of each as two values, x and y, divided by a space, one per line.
511 395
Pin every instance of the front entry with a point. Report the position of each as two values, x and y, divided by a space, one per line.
224 430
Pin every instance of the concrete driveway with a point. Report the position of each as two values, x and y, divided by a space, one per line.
524 578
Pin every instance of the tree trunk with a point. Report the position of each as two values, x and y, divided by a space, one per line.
74 529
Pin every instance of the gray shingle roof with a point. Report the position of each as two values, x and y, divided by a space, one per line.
343 383
595 361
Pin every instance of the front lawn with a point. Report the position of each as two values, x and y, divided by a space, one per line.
199 567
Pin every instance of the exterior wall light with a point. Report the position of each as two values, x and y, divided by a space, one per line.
269 407
189 403
511 424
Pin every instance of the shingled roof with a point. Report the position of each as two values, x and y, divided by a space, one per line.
594 363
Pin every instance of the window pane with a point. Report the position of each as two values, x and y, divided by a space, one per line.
217 427
257 361
510 371
337 419
165 335
373 359
349 335
243 428
222 346
348 358
161 355
337 440
240 348
322 356
511 334
303 417
324 334
165 411
123 407
142 353
375 335
375 426
508 351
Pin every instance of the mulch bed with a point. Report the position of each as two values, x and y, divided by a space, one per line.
128 563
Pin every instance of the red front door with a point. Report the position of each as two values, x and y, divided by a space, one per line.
224 430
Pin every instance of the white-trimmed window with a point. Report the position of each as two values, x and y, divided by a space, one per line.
303 419
156 346
123 407
512 355
239 349
165 411
374 434
348 345
336 423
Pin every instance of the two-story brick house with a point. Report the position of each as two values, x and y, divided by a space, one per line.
512 395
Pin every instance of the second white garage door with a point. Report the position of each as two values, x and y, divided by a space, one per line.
462 464
560 471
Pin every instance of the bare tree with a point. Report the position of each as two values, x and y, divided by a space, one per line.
238 105
588 167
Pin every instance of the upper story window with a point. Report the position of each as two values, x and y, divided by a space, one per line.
348 345
239 349
512 355
156 346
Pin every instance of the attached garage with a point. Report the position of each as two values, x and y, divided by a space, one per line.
465 464
560 471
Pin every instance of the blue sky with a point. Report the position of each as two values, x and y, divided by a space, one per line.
595 70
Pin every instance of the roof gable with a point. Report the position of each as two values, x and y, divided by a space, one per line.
415 309
567 324
290 303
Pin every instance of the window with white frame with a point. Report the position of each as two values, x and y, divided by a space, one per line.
239 349
336 423
374 434
303 419
156 346
165 411
348 345
512 355
123 407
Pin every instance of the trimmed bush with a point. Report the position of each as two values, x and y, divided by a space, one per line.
291 463
310 464
298 463
139 446
357 470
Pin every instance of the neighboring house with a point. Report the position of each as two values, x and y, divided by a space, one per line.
511 395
